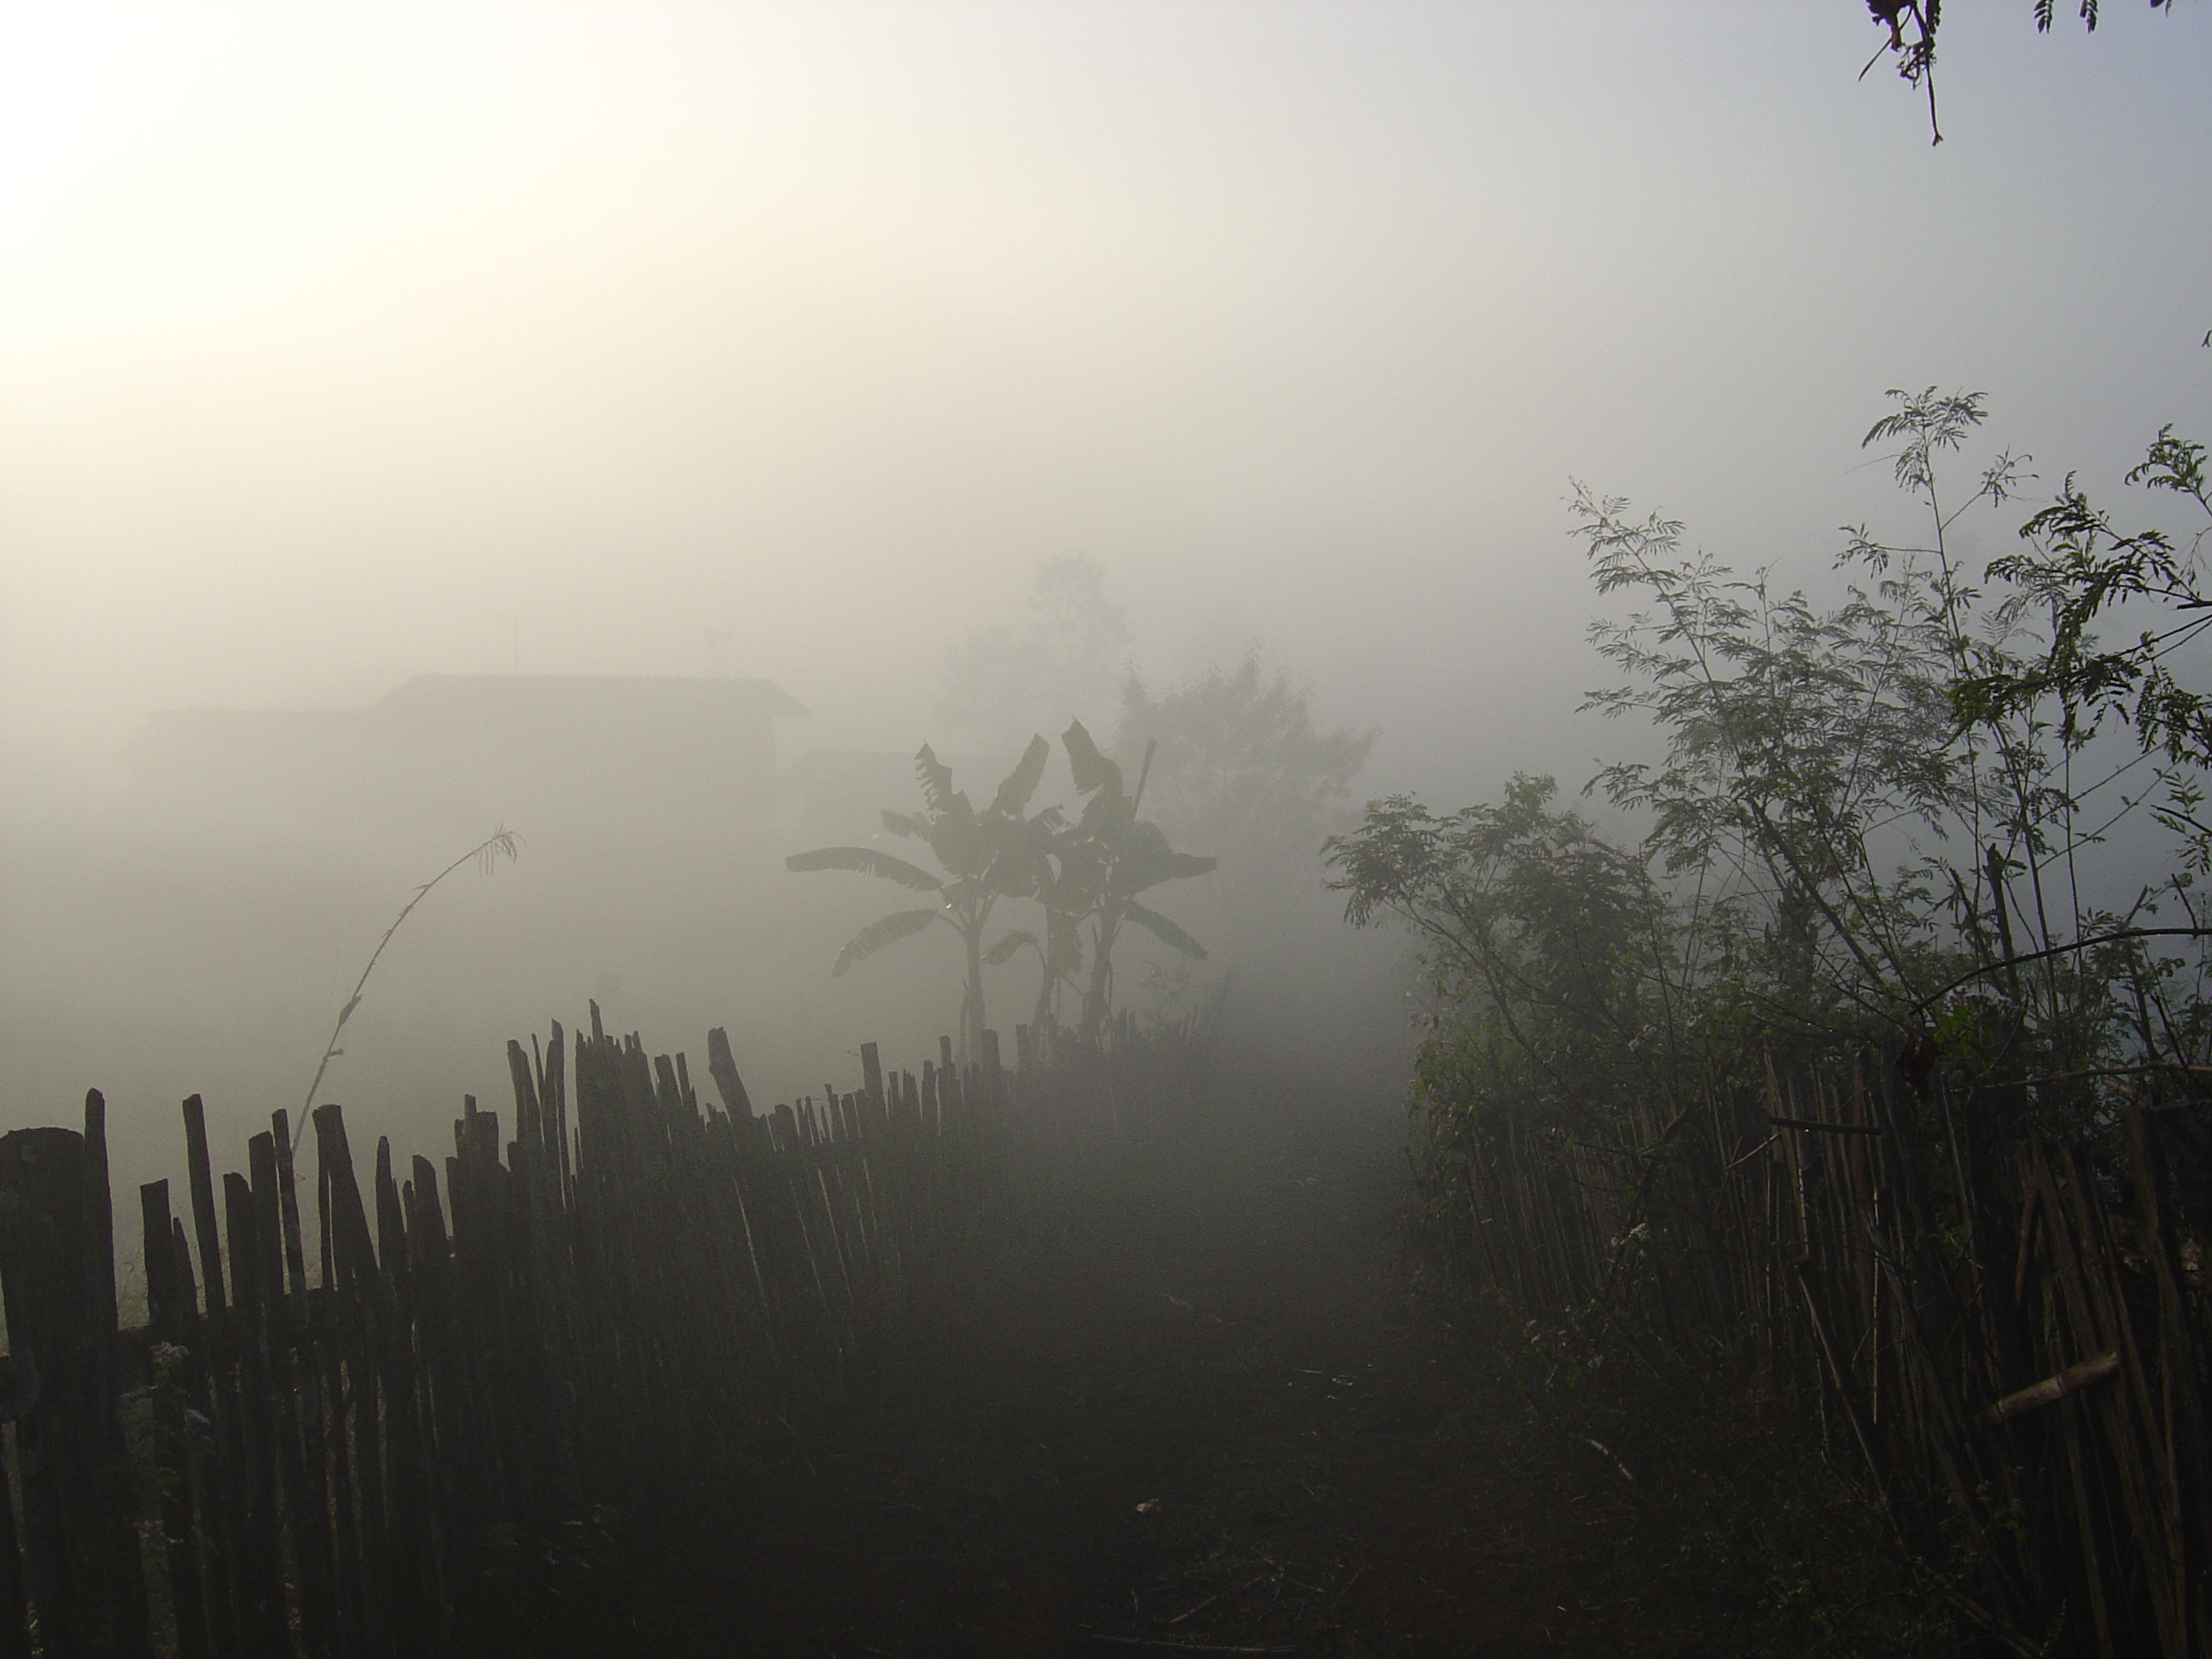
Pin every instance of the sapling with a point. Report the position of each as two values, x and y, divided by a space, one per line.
485 855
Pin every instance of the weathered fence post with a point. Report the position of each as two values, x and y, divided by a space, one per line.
80 1548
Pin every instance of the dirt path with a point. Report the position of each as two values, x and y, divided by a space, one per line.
1211 1422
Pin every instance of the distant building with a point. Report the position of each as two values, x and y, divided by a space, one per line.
590 771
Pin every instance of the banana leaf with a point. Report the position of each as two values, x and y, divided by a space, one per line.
1003 951
1165 930
868 862
1090 767
935 777
1141 873
958 840
1021 783
887 930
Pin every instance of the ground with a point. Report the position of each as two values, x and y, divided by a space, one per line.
1215 1416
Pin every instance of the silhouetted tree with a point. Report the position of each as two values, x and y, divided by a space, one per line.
997 852
1240 767
1067 658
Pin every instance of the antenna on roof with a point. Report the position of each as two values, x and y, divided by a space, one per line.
503 616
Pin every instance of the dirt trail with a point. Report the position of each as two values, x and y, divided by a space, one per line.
1210 1421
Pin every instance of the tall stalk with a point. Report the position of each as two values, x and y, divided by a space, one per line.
485 855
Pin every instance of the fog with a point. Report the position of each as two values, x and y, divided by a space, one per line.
344 346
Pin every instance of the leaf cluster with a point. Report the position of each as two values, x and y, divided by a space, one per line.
1872 817
1911 27
1241 764
2079 566
1088 868
983 856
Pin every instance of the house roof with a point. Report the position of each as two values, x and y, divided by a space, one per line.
447 710
640 693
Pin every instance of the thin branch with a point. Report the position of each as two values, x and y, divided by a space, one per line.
501 844
2149 1068
1945 989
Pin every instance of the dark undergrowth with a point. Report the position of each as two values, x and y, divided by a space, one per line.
1749 1522
1219 1407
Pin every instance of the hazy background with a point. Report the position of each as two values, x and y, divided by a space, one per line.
784 342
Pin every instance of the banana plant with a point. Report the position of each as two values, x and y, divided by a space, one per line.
982 857
1060 950
1108 857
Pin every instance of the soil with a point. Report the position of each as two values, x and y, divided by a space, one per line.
1208 1414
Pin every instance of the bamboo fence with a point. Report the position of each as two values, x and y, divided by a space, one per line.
346 1432
2004 1333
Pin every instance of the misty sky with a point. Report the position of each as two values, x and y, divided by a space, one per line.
332 339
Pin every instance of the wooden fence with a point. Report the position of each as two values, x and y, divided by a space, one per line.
2007 1333
351 1433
